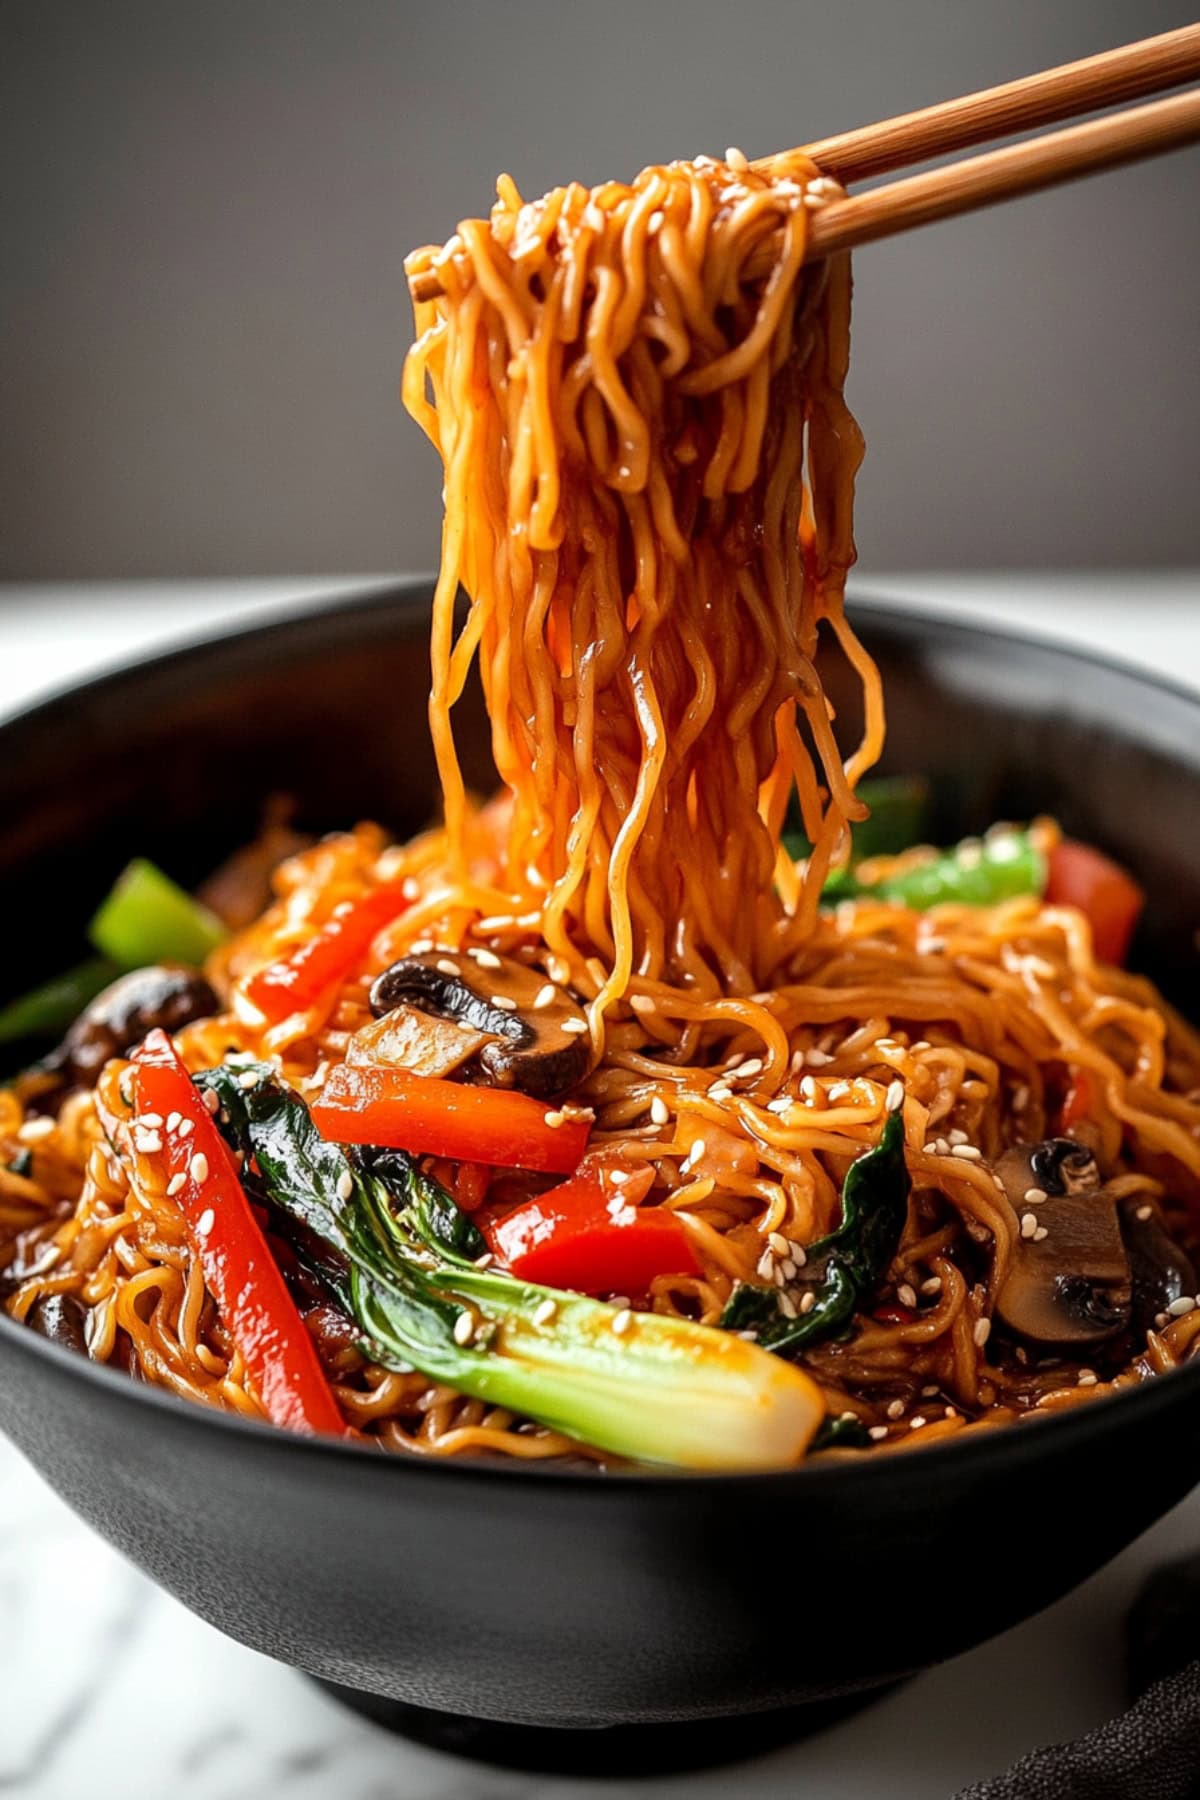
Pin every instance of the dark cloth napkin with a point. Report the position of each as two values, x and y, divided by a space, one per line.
1152 1752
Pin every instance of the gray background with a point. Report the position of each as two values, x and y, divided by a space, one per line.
205 208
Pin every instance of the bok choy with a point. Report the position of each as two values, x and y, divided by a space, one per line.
390 1246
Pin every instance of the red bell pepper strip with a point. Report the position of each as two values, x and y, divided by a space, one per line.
397 1109
588 1235
1080 876
239 1271
296 981
1077 1101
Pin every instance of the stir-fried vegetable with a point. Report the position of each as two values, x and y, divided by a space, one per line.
298 980
977 872
146 918
591 1235
899 818
361 1104
177 1133
1100 888
390 1245
842 1271
47 1010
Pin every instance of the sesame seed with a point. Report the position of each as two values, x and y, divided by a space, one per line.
787 1269
152 1121
186 1128
808 1089
906 1295
544 996
781 1104
927 1393
1161 1319
838 1091
957 1136
1086 1378
574 1027
487 959
1029 1224
33 1131
345 1185
198 1167
929 1149
1035 1195
249 1080
420 946
494 922
797 1252
921 1044
175 1184
205 1222
642 1003
618 1177
544 1312
982 1332
410 888
1143 1213
968 1152
797 1062
941 1146
212 1101
766 1267
818 1059
464 1328
1040 1234
698 1149
503 1003
778 1242
173 1119
720 1091
659 1111
583 1115
951 1412
916 1424
1185 1304
777 1275
807 1301
622 1322
748 1069
787 1306
553 1120
558 970
932 1286
1020 1097
485 1261
895 1409
894 1098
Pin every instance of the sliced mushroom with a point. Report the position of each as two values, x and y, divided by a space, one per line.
166 994
1162 1272
536 1034
1072 1285
407 1038
63 1319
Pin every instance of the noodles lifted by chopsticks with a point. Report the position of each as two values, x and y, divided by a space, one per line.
649 481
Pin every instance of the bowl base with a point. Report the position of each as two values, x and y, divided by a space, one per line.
611 1750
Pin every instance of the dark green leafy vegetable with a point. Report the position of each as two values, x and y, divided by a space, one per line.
846 1433
47 1010
389 1245
842 1270
898 819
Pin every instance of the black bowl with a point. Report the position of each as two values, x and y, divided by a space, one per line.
535 1597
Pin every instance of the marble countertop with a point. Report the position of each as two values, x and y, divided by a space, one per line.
215 1721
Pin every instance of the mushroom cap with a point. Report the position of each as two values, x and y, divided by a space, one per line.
1071 1283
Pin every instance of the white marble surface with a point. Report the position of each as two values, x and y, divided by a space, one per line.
86 1645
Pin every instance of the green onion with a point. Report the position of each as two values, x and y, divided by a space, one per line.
147 919
977 872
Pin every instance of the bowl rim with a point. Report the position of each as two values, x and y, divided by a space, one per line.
981 1447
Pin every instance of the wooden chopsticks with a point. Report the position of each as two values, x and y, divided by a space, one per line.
980 181
1148 67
